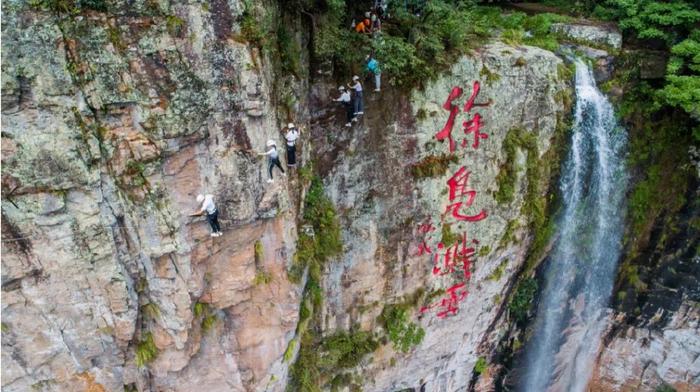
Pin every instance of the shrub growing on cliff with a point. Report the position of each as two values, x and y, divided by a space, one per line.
402 333
521 301
146 350
346 350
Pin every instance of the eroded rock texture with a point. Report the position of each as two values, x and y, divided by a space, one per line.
112 124
369 174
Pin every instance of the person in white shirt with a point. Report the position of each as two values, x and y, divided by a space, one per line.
344 100
209 208
273 159
357 86
291 137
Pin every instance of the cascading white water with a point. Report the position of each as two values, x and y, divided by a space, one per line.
578 282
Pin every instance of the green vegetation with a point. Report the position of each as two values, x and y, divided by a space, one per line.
150 310
345 350
69 6
175 25
289 352
251 29
288 51
521 301
259 252
509 233
484 251
448 238
480 365
262 277
416 47
535 205
209 317
433 166
114 37
4 328
209 321
402 333
314 251
665 388
498 272
146 350
674 27
200 308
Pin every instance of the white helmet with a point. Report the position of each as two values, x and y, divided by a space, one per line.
341 88
271 143
355 77
290 125
200 198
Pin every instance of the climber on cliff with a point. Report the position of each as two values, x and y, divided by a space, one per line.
357 99
209 208
345 100
291 137
373 67
273 159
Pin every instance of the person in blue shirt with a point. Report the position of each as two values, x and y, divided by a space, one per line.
373 67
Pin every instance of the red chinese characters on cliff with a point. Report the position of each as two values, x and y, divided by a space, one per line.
457 258
459 188
449 305
471 126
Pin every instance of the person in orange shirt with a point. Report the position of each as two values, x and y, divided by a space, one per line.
364 26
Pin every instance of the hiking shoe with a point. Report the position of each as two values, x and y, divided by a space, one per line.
348 124
214 235
358 113
376 90
270 181
354 119
219 234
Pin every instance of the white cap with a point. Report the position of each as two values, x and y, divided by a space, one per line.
355 77
341 88
290 125
271 143
200 198
367 14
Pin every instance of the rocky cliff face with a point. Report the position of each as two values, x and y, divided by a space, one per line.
114 121
373 174
112 124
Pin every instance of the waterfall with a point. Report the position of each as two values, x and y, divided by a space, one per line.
572 312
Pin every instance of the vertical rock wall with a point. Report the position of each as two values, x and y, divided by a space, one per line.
368 173
112 122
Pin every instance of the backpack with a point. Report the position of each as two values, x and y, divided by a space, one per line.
373 66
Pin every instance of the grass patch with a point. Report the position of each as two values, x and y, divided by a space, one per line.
150 311
175 25
448 238
209 321
258 252
289 352
515 139
497 273
262 277
480 365
433 166
346 350
146 350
